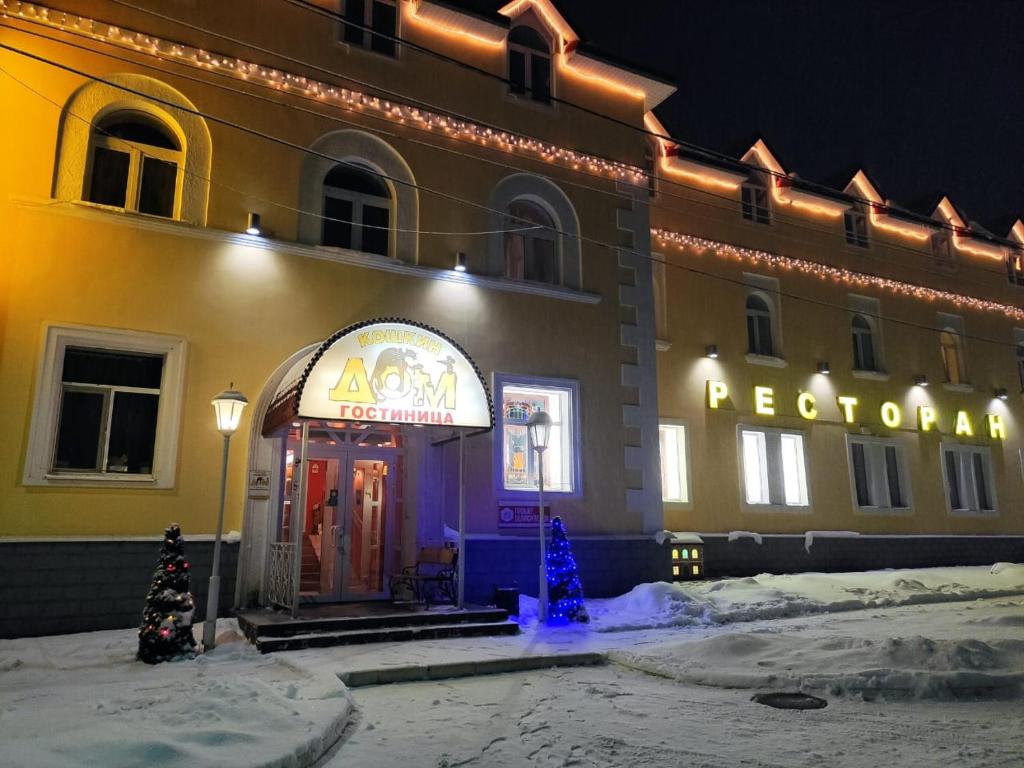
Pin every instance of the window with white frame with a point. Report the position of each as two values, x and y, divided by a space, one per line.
675 476
1015 268
532 246
967 475
518 399
863 344
878 474
774 467
529 64
357 210
107 408
134 163
855 222
370 24
754 202
759 326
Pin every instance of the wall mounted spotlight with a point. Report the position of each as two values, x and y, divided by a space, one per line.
711 350
1002 394
252 226
921 380
460 262
823 367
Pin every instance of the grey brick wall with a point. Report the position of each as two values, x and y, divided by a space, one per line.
610 567
53 587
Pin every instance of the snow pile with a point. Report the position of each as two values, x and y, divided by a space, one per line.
83 700
775 597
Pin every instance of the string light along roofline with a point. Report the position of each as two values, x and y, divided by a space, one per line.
330 94
825 272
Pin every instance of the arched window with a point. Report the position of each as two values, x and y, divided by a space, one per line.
863 344
952 356
532 254
529 64
357 210
759 326
135 163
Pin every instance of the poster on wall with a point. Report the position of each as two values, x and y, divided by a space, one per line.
522 515
395 373
259 484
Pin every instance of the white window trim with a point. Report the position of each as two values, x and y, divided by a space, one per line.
768 290
359 200
530 495
136 151
870 309
687 474
528 54
787 508
46 406
974 509
753 186
530 238
901 461
861 241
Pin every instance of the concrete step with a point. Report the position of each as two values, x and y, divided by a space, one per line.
385 634
371 622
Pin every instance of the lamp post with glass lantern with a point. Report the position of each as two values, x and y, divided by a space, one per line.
228 407
538 429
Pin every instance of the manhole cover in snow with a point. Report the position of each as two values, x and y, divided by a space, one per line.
789 700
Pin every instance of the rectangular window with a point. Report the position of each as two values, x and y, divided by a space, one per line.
109 179
774 467
338 217
107 408
1015 269
384 26
675 486
755 204
878 474
373 21
856 225
540 78
968 479
518 399
156 189
517 71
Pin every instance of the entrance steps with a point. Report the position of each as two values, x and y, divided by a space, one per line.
349 624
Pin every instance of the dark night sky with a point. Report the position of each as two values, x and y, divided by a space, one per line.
927 95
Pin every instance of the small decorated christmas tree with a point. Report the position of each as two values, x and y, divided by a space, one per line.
166 631
565 592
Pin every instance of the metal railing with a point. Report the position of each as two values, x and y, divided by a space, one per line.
280 586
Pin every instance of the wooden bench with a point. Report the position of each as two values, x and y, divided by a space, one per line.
435 573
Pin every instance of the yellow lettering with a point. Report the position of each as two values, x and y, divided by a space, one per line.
717 392
846 405
353 385
764 401
926 418
805 405
445 389
996 427
891 415
963 424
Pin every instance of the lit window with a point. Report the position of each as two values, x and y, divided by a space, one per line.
755 203
759 326
518 401
373 20
533 253
952 356
1015 269
134 164
863 344
878 473
107 408
529 64
967 473
357 210
674 481
855 223
774 467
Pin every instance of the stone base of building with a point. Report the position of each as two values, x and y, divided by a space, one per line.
58 587
789 554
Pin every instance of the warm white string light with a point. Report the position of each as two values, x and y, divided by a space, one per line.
836 274
285 81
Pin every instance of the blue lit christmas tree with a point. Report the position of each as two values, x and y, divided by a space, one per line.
565 592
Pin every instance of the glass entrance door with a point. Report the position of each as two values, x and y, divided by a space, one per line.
366 528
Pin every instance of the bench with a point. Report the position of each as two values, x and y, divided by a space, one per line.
435 573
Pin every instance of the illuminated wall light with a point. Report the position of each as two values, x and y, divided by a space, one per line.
920 380
823 368
252 225
460 262
831 274
711 350
1002 394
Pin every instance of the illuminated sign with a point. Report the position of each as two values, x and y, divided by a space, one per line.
395 373
889 413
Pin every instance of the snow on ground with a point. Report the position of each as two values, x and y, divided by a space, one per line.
83 700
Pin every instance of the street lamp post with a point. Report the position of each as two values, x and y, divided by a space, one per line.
228 407
538 429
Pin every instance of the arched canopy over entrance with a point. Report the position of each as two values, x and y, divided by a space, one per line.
388 371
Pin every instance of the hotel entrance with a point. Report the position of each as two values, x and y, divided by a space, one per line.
350 533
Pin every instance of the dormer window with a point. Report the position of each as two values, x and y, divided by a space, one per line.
1015 269
134 163
754 198
855 222
529 64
